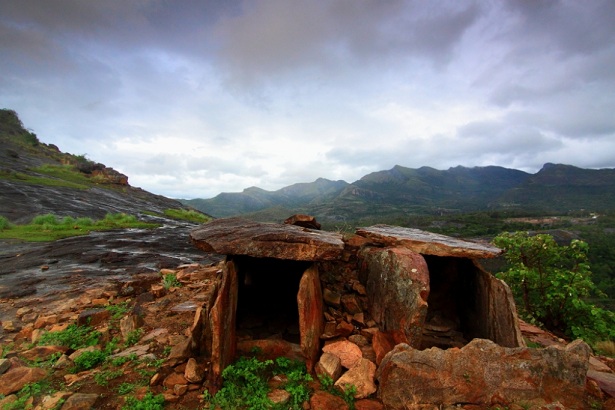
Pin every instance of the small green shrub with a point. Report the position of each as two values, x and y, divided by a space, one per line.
149 402
170 280
246 384
133 337
118 310
187 215
47 219
4 223
29 390
74 337
83 222
102 378
89 360
125 388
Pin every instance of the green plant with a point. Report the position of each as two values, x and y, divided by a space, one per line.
4 223
118 310
190 215
552 284
328 385
89 359
125 388
5 348
103 377
29 390
246 384
149 402
169 280
133 337
74 337
49 228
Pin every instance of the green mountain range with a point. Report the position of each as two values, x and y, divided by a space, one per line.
385 196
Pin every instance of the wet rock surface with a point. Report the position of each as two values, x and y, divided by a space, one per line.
59 269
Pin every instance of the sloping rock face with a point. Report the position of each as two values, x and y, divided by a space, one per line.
484 374
397 284
427 243
237 236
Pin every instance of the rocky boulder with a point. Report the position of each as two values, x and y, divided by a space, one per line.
427 243
237 236
397 283
484 374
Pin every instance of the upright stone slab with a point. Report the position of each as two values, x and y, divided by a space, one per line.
397 284
223 318
310 304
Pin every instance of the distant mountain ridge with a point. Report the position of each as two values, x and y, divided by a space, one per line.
401 191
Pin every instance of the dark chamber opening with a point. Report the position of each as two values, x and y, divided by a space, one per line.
267 298
451 298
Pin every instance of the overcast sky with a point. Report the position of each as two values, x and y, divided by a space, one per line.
193 98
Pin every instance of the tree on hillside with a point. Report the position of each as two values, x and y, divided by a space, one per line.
551 284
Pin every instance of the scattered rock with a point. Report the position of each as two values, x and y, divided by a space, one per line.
322 400
368 404
194 373
278 396
305 221
53 401
80 401
348 352
361 376
329 365
93 317
130 323
17 377
174 378
5 364
41 353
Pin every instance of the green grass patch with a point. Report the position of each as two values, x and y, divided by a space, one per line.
74 337
40 180
245 384
187 215
49 227
149 402
118 310
170 281
30 390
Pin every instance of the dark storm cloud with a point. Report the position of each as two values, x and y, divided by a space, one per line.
209 96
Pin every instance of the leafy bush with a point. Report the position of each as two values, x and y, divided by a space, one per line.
187 215
90 359
4 223
246 384
551 284
74 337
169 280
118 310
149 402
47 219
29 390
102 378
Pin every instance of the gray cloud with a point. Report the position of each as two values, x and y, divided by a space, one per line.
193 98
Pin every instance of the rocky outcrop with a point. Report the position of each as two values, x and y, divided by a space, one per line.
237 236
427 243
484 374
397 283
